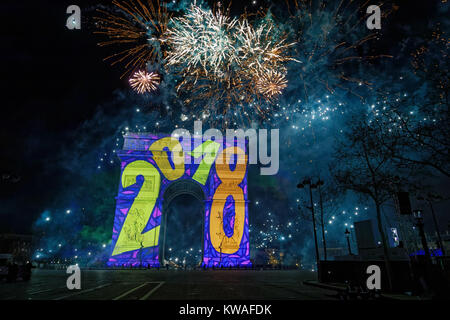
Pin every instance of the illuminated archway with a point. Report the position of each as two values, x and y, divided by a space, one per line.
150 165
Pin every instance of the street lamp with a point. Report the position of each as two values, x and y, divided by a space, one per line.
419 223
312 186
319 184
347 235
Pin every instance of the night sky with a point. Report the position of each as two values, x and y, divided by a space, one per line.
57 89
53 88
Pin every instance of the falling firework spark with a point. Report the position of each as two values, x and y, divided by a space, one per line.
329 38
143 82
138 25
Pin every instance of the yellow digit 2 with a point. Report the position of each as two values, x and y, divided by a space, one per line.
131 236
161 157
229 186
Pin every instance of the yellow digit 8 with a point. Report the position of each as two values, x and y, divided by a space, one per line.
229 187
131 236
162 159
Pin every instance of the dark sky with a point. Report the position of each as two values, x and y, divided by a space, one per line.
53 81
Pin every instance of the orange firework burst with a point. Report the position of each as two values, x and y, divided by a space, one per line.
138 25
143 81
271 84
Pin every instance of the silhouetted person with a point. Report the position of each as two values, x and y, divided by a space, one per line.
27 271
9 276
13 270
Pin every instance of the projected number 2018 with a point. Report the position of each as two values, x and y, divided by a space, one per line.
133 235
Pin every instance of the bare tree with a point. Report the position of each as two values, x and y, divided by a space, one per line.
418 121
361 165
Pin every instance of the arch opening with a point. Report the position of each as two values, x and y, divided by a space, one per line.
182 225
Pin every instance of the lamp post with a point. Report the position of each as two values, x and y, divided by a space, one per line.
419 223
319 184
347 235
312 186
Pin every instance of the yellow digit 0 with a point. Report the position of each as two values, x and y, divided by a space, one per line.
162 159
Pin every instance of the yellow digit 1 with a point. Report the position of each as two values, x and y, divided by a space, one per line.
229 186
131 236
162 159
209 149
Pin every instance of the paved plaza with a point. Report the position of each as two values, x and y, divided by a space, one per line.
168 285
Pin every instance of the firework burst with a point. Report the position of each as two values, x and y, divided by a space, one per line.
238 67
202 39
219 59
138 26
260 50
271 84
143 81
